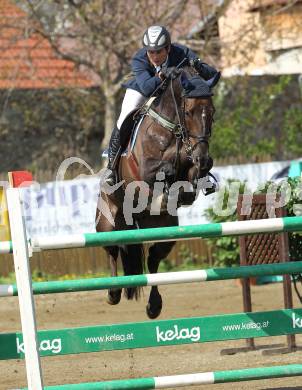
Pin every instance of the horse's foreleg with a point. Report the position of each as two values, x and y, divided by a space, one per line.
114 294
157 252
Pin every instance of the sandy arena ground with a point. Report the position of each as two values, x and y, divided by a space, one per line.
89 308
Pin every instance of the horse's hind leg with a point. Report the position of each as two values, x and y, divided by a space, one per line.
114 294
157 252
104 225
133 264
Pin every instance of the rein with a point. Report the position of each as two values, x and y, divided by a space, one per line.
179 129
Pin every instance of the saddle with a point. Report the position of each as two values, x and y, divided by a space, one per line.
131 124
127 128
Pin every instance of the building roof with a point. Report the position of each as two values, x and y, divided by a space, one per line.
27 60
261 4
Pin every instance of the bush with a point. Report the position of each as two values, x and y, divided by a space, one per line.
257 118
293 208
225 249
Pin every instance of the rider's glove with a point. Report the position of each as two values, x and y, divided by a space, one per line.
206 72
197 65
169 73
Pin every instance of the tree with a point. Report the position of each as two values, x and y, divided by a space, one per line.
259 115
44 101
101 36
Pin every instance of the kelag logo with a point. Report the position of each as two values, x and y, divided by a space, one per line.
55 345
297 322
192 334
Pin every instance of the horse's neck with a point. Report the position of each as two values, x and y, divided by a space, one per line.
167 106
150 151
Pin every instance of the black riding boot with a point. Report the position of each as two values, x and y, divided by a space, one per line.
114 152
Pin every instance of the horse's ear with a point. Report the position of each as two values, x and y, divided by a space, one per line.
197 88
214 80
185 83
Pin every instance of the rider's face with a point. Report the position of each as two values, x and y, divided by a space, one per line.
158 57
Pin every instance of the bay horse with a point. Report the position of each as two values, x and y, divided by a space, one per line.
170 154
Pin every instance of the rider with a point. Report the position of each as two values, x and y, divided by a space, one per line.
149 66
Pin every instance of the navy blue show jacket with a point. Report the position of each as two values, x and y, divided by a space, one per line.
145 79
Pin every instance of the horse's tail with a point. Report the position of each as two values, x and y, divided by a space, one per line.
133 260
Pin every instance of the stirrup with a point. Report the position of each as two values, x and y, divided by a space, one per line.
211 185
111 179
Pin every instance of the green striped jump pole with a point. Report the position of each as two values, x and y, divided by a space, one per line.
206 378
172 233
210 274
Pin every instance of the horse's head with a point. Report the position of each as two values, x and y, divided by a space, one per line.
198 114
192 110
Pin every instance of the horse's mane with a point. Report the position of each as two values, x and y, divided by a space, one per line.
166 93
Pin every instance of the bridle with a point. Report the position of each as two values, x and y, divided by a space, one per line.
185 134
179 129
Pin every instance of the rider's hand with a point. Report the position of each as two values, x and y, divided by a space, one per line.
169 73
161 75
197 65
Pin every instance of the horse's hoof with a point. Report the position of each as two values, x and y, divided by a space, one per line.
155 310
114 296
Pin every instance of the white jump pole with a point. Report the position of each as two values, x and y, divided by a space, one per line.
24 283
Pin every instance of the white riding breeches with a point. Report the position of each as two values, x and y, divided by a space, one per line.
132 99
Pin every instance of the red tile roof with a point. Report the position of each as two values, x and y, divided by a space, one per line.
30 62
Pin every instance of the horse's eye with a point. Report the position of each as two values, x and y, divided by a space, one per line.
187 113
